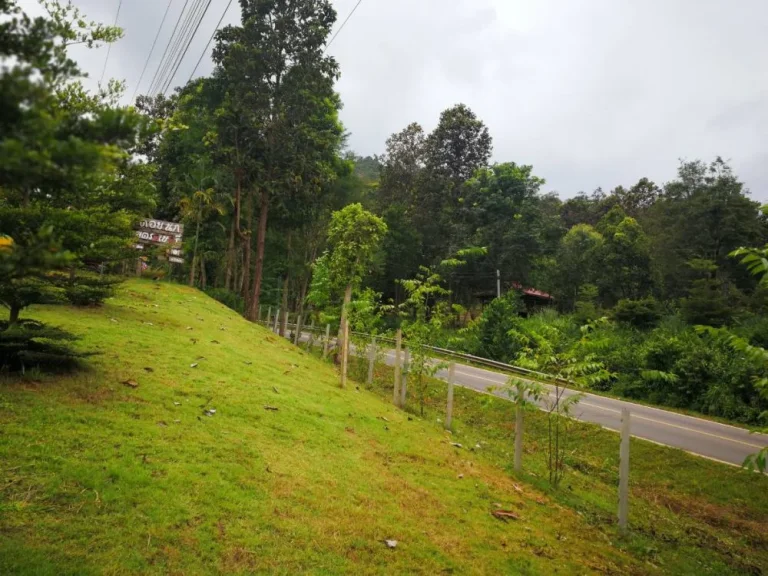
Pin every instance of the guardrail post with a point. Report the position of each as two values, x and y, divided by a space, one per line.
327 340
298 331
624 471
371 360
449 404
398 345
404 380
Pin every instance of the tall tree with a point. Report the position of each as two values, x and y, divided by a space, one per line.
279 116
354 236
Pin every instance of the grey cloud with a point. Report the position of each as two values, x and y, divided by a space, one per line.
591 92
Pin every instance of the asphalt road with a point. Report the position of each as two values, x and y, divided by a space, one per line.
728 444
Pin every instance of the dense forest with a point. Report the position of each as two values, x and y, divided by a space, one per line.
252 159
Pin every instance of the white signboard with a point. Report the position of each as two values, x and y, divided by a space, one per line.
162 226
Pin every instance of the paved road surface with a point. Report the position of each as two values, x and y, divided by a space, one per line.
698 436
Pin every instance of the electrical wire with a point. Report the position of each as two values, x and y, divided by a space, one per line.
186 48
210 40
152 50
180 41
170 60
342 26
178 20
109 46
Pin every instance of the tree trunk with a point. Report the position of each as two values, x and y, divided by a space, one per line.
194 255
260 240
203 277
14 317
247 252
230 256
344 306
284 304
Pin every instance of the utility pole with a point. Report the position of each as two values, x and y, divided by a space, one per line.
498 283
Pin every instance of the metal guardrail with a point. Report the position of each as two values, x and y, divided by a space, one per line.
453 354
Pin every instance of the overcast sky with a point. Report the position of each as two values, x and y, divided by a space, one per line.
591 92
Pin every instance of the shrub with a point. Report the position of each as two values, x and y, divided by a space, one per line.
497 328
29 343
644 313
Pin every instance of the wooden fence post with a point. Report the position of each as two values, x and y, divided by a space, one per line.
624 471
449 406
327 340
345 354
277 320
296 336
311 338
519 432
260 311
284 323
269 317
371 360
404 379
398 345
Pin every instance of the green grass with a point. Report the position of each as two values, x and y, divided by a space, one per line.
97 477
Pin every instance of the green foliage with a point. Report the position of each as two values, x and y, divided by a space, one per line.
353 238
497 332
644 313
84 288
28 344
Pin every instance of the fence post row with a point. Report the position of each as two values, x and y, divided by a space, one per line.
624 471
398 345
404 378
371 360
449 404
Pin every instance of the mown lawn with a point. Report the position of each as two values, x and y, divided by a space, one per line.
688 515
99 477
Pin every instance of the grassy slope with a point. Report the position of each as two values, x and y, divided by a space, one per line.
97 477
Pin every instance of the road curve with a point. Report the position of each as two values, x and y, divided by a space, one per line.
722 442
698 436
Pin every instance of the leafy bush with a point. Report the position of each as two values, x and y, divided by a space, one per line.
497 336
644 313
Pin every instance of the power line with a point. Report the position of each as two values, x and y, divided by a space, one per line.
210 40
177 41
152 50
184 37
109 46
186 48
342 26
167 46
